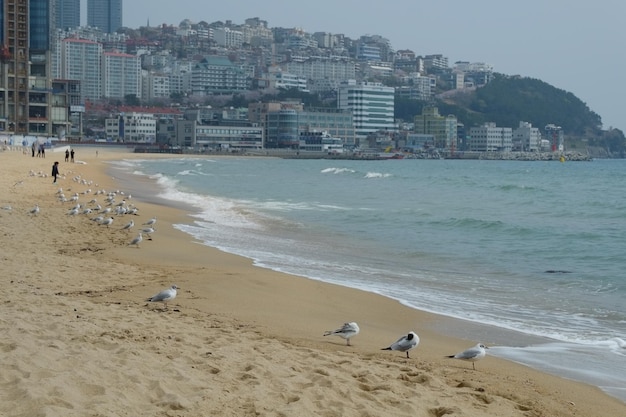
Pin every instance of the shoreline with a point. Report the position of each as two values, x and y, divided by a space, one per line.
223 298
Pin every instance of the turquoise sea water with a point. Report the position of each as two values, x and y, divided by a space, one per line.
533 247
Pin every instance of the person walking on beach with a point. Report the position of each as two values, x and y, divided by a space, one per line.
33 149
55 171
72 155
67 155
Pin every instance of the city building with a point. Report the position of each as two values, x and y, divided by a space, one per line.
490 138
417 87
284 122
371 104
131 127
121 75
555 137
443 128
26 90
104 14
526 138
278 79
67 14
80 60
217 74
155 85
228 38
323 68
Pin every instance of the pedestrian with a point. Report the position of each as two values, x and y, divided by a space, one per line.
33 149
43 150
55 171
72 155
67 155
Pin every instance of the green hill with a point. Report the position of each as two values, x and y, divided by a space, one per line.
507 100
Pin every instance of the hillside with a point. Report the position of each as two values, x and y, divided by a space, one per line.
507 100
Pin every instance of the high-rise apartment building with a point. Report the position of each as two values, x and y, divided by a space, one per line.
121 75
105 14
80 60
15 66
372 105
67 14
25 84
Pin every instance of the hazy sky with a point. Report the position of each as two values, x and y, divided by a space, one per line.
576 46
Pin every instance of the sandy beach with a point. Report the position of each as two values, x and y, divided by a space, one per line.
79 338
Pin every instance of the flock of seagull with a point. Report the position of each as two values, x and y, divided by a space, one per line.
114 204
407 342
348 330
105 217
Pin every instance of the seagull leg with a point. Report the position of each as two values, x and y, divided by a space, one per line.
407 354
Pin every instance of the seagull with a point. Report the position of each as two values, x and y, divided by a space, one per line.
165 296
136 241
472 354
148 231
128 225
346 331
107 222
405 343
150 222
35 210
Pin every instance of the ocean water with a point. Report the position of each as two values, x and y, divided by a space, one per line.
534 249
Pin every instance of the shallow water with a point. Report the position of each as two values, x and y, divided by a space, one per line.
534 247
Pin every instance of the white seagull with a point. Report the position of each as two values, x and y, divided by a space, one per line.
150 222
346 331
164 296
148 231
128 225
405 343
472 354
35 210
106 222
136 241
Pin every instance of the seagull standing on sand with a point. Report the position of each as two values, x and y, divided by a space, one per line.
35 210
128 225
107 222
164 296
136 241
346 331
150 222
148 231
405 343
472 354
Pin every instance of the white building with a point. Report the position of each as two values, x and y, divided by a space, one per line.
155 85
526 138
131 127
80 60
321 68
490 138
372 105
121 75
279 79
180 82
228 38
217 74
